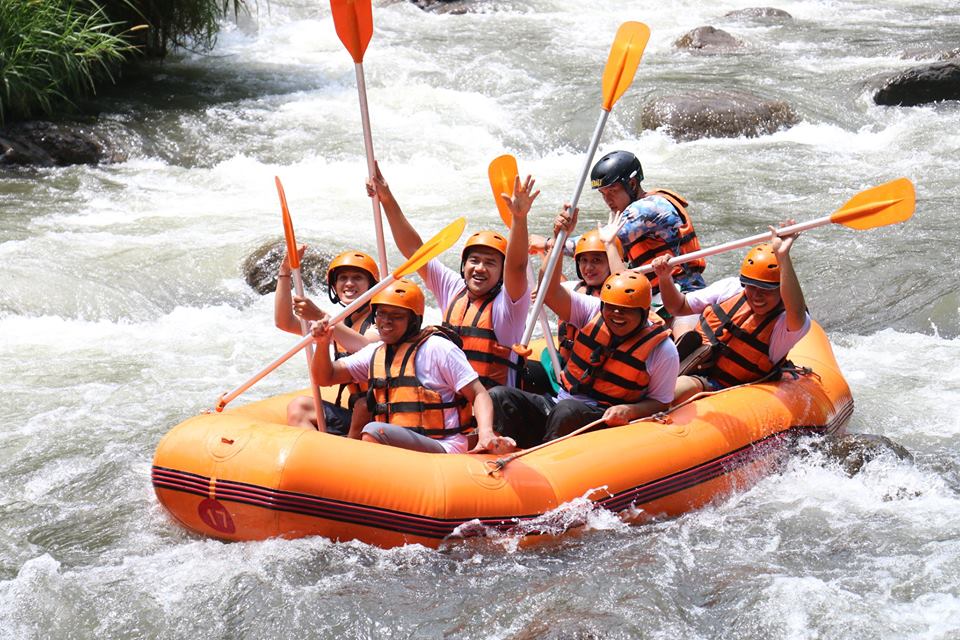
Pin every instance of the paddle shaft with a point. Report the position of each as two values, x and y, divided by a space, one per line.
304 330
371 167
547 333
307 341
561 238
743 242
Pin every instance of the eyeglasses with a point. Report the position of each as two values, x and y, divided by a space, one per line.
386 316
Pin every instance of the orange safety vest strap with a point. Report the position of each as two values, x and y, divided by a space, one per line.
354 391
566 332
581 375
489 358
398 397
752 339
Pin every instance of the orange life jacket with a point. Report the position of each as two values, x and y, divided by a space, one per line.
396 394
472 320
646 249
566 332
609 370
362 322
740 340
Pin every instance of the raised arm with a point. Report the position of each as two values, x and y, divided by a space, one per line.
555 295
283 316
515 265
608 235
673 299
325 370
790 292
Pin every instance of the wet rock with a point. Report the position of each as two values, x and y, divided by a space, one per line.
920 85
690 116
708 40
759 12
853 450
261 266
453 7
48 144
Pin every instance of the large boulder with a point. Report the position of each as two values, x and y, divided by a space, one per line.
920 85
261 266
853 450
708 40
48 144
717 114
762 13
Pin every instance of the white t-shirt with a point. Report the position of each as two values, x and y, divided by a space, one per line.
441 367
663 364
781 340
509 316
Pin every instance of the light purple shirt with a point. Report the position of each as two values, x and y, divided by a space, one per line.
440 365
781 340
509 316
663 364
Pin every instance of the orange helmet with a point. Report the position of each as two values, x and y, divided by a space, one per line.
591 242
627 289
760 268
355 260
489 239
402 293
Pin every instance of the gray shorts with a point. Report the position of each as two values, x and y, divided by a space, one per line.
397 436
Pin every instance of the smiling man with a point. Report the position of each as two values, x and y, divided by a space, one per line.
487 302
621 367
750 323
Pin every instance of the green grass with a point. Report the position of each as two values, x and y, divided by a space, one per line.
55 52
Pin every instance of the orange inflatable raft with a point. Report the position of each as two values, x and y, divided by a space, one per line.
245 475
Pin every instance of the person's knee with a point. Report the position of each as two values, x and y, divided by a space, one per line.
687 387
300 412
373 432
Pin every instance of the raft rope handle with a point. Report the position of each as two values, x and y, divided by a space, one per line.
500 463
663 417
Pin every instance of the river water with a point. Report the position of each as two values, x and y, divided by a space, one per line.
124 311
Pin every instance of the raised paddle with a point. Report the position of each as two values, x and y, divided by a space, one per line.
353 20
889 203
430 250
503 175
294 257
622 63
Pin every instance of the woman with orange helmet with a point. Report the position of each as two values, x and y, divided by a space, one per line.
486 303
621 366
423 394
747 324
349 275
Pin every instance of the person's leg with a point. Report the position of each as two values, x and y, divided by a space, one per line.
568 416
395 436
337 417
519 415
687 387
300 413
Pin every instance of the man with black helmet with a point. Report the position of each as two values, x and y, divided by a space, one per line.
655 222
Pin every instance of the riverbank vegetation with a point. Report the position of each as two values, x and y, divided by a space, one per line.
55 52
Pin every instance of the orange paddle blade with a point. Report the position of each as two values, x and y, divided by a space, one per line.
888 203
292 254
354 22
432 248
503 175
623 61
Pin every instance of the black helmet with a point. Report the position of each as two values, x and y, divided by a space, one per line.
616 166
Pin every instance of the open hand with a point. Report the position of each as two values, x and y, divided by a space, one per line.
523 197
608 232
